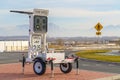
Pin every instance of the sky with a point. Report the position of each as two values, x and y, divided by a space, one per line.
71 17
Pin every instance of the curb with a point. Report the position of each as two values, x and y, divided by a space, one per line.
117 77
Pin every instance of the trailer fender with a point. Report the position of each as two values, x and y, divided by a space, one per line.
38 58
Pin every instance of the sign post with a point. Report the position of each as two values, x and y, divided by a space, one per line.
98 27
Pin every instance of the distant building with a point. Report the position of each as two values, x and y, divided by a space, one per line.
13 44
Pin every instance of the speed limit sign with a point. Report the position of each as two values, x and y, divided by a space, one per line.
36 42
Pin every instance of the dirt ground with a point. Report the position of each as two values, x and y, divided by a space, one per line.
13 71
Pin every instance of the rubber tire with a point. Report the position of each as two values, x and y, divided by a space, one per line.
43 66
69 65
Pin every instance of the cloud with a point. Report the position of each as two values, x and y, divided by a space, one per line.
4 12
55 1
74 12
78 15
69 12
98 2
19 30
80 2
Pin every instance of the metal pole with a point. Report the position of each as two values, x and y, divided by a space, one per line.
30 36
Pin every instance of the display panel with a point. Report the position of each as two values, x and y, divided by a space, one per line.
40 24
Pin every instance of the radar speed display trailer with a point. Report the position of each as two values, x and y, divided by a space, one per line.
38 52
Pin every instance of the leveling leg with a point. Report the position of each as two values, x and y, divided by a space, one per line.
23 63
52 68
77 65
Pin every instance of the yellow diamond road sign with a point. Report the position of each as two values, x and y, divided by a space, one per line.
98 33
98 27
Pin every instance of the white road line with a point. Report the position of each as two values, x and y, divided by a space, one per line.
85 65
98 64
111 65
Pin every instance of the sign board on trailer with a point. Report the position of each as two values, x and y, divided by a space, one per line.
36 42
40 12
40 24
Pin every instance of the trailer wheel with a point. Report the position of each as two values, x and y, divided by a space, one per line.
39 67
66 67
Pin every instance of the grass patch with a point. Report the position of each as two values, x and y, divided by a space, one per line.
56 47
92 54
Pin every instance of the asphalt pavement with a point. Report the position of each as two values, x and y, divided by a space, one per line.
99 66
92 65
83 63
11 57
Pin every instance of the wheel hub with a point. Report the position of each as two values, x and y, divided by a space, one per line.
64 65
38 67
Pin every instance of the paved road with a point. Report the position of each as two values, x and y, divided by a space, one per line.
96 66
84 64
10 57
